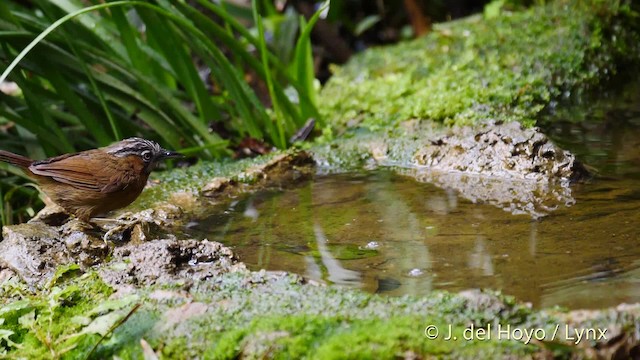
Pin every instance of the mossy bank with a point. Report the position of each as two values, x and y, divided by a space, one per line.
506 66
276 315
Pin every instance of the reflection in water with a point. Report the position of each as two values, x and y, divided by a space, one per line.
533 239
251 212
480 259
313 269
404 232
337 274
387 233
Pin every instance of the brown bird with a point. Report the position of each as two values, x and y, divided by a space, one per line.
96 181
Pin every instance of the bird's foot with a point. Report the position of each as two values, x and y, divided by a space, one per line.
75 226
83 226
126 227
135 226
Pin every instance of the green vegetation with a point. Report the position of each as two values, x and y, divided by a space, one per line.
504 66
251 314
92 90
57 320
336 337
257 315
163 70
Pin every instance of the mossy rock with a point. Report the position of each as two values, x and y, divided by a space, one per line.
507 67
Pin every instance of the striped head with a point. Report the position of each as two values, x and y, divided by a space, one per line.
149 151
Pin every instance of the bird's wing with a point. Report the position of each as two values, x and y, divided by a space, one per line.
80 170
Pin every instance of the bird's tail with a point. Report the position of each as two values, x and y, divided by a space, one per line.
15 159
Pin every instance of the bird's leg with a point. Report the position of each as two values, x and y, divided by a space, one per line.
123 223
112 226
83 226
74 225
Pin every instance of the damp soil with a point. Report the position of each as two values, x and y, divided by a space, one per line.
387 233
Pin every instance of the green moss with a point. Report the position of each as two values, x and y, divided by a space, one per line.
332 337
258 315
508 67
48 323
278 317
193 178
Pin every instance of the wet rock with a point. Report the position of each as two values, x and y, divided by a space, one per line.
52 215
168 261
6 274
387 284
217 186
477 300
606 333
283 169
505 151
34 250
514 168
136 227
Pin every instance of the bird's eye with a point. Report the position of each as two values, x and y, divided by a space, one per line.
146 155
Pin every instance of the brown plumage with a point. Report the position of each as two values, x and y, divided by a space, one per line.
95 181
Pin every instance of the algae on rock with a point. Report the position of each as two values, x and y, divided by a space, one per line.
505 68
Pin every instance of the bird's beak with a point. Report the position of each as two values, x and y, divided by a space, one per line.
167 154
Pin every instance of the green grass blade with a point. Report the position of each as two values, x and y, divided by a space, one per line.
304 71
76 104
280 139
129 37
166 38
51 28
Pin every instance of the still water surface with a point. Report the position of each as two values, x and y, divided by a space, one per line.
387 233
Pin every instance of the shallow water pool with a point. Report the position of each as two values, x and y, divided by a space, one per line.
387 233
